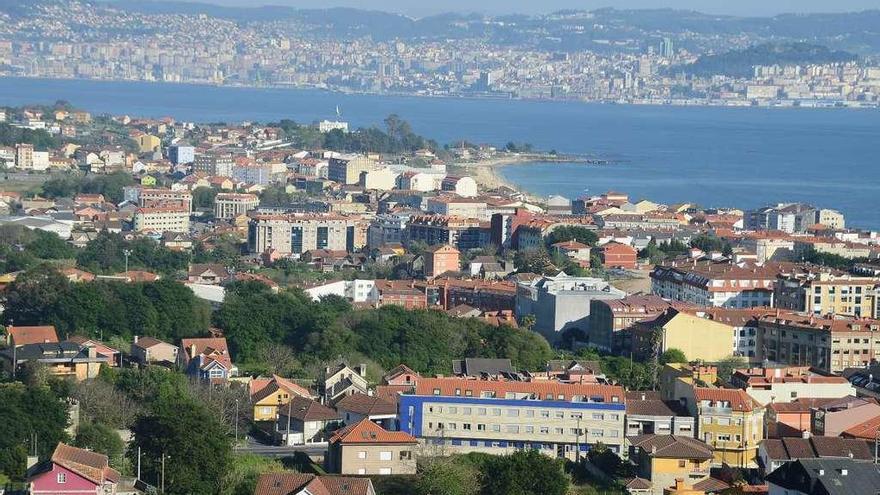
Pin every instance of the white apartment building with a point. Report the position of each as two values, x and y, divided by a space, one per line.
230 205
161 219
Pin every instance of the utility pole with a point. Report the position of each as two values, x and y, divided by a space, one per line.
126 253
289 412
236 423
139 463
163 472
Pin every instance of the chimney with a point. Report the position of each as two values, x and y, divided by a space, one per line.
844 472
821 472
362 369
135 339
192 350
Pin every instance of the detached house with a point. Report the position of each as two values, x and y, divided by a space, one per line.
18 336
269 395
73 471
356 407
208 274
309 484
148 350
661 459
207 359
366 448
341 380
304 421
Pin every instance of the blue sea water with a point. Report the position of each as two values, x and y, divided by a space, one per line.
742 157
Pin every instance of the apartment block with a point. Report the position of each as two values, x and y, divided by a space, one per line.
229 205
163 198
24 156
696 337
297 233
347 170
730 421
497 417
609 316
770 385
716 283
214 163
365 448
161 219
463 233
828 344
827 293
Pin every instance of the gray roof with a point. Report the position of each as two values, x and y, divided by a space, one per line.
480 366
827 477
52 352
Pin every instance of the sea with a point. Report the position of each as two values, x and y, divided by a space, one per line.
712 156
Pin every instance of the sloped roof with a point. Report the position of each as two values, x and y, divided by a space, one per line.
786 449
305 409
400 369
369 432
289 483
739 400
672 446
653 407
32 335
147 342
366 405
827 477
90 465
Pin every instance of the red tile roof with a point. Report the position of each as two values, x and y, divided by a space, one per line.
368 432
292 483
366 405
90 465
738 399
32 335
537 390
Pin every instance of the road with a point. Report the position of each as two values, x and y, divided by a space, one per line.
254 447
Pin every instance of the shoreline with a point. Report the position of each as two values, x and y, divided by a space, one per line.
488 176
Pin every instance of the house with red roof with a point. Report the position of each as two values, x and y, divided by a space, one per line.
207 359
366 448
18 336
290 483
617 255
268 395
72 470
114 357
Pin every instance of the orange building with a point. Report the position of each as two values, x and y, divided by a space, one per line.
441 259
617 255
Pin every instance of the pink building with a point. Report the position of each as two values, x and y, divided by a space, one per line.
73 470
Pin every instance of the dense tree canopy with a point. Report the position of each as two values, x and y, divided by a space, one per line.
426 340
164 309
40 138
27 413
398 137
110 185
106 255
572 233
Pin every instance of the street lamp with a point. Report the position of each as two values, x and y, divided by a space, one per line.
126 253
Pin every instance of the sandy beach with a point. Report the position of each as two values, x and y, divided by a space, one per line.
486 172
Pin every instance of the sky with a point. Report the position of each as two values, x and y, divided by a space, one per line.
429 7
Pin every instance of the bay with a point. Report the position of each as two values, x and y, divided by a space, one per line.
737 157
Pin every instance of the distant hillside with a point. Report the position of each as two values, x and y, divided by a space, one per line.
740 63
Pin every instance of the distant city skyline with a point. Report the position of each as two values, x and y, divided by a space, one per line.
721 7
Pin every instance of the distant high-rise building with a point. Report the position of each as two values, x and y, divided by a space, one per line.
646 68
667 48
485 82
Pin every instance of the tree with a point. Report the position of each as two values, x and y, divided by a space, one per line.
524 472
448 476
246 469
186 439
727 366
673 356
100 438
203 197
572 233
28 413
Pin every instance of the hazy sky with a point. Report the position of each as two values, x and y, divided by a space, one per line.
427 7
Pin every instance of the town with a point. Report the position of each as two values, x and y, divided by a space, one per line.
305 308
601 56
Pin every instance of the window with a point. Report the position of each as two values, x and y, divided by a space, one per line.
598 416
362 471
466 426
513 413
405 455
62 478
545 414
530 413
384 470
576 416
436 391
362 454
560 414
545 430
530 429
496 428
721 437
466 411
614 417
453 410
481 411
511 428
682 463
496 412
385 455
597 433
559 431
481 427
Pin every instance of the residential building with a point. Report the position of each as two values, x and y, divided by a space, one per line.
646 415
747 335
114 357
824 477
149 350
347 170
303 421
828 344
24 335
452 206
163 198
617 255
495 416
207 359
832 219
561 303
609 316
148 143
356 407
253 173
483 368
365 448
787 217
578 252
769 245
774 452
296 233
289 483
465 187
339 381
661 459
379 179
834 418
730 421
63 359
161 219
228 206
769 385
72 470
207 274
387 228
463 233
180 154
269 396
441 259
695 336
827 293
716 283
24 156
792 419
678 379
214 163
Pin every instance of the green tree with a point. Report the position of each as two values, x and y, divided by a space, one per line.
193 443
100 438
448 476
245 470
728 365
572 233
28 413
524 473
673 356
203 197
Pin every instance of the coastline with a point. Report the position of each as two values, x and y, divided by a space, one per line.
487 174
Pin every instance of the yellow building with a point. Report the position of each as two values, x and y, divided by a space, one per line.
268 394
677 379
148 143
730 421
696 337
663 459
682 488
825 293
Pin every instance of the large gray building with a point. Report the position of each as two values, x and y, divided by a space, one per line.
562 302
